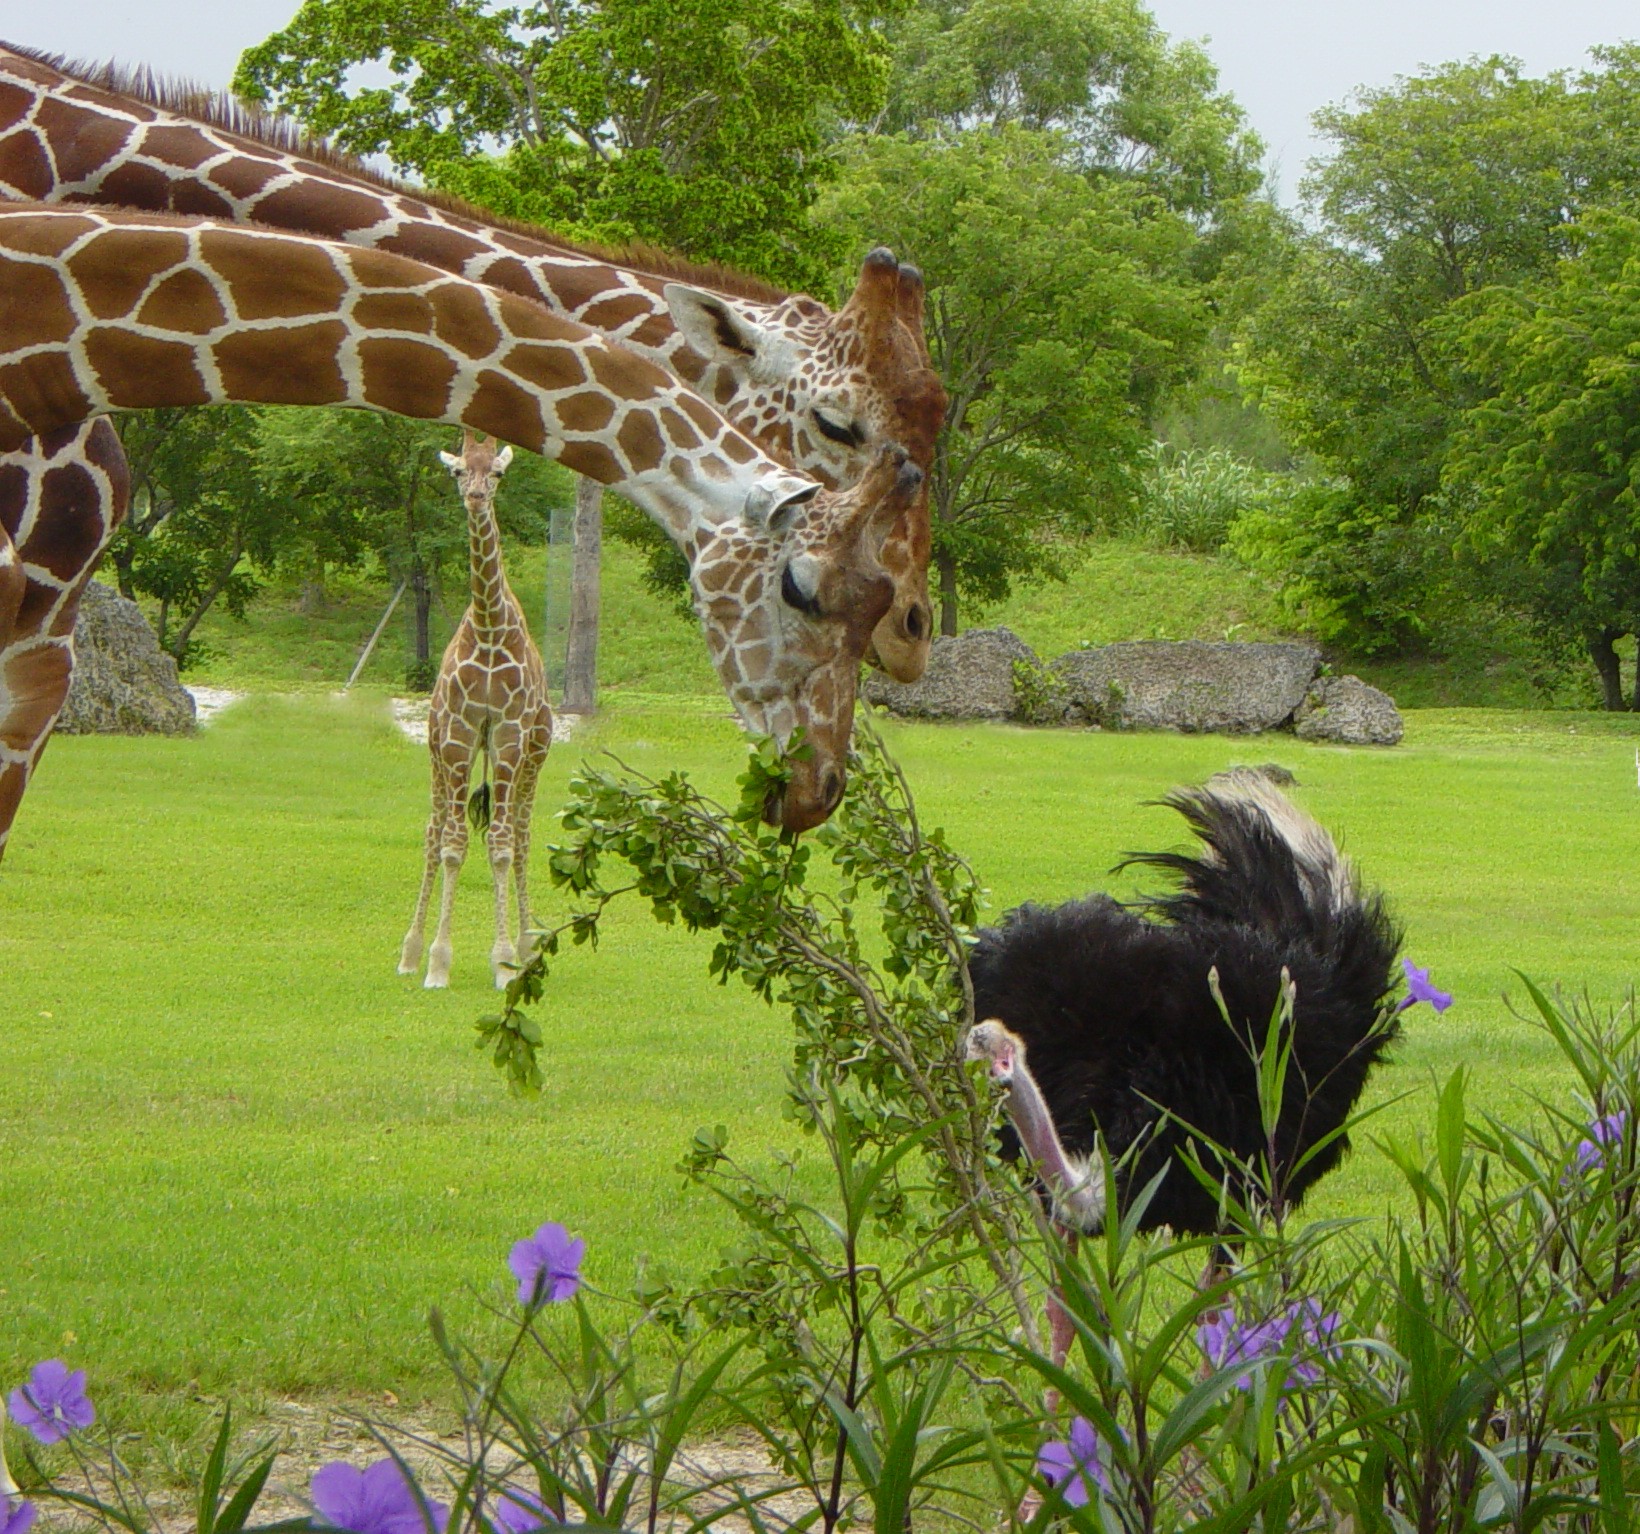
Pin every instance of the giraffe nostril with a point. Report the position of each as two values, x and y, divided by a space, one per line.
916 621
831 788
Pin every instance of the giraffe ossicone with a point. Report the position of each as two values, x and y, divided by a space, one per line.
828 390
489 705
103 310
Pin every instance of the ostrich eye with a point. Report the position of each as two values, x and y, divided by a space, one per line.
793 595
838 431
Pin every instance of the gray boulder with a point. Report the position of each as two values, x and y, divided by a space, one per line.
1347 710
1194 685
124 684
969 676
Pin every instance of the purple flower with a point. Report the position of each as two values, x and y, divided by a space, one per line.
1419 989
1591 1153
15 1520
53 1403
1227 1342
520 1512
1069 1465
547 1265
379 1500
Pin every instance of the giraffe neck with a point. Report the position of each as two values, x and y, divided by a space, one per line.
492 607
105 311
69 141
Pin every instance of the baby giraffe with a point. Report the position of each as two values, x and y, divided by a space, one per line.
491 697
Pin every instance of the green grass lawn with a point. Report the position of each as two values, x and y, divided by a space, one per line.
239 1154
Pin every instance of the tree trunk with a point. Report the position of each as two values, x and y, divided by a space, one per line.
121 556
947 567
423 590
1605 661
179 646
314 597
581 654
1637 673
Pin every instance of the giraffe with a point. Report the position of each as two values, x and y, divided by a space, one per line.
490 697
826 389
103 310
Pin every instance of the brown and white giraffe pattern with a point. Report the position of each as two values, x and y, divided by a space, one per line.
103 310
829 390
491 700
58 491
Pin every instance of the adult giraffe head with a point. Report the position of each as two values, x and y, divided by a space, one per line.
789 607
834 389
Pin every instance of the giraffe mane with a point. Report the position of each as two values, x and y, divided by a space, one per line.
284 135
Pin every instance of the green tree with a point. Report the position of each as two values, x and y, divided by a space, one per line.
203 527
701 127
1463 178
1550 455
1126 100
1070 182
1058 309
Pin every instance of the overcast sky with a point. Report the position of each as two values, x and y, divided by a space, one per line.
1281 58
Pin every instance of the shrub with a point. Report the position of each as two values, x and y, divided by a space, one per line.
1192 499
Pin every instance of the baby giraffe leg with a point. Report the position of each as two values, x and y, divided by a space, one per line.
536 742
504 746
410 953
458 761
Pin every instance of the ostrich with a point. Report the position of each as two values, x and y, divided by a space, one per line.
1097 1018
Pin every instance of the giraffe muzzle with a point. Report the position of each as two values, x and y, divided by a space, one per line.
808 799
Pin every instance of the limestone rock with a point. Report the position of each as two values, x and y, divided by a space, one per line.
969 676
124 684
1193 685
1347 710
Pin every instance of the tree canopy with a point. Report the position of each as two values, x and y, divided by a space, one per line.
1058 308
701 126
1464 180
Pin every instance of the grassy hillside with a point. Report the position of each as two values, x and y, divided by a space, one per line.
1122 589
1117 590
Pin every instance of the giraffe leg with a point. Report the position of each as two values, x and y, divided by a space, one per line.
535 752
506 747
457 750
61 497
410 953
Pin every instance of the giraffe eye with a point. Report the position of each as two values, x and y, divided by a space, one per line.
838 431
793 595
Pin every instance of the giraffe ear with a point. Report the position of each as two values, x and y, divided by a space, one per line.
770 506
449 460
503 458
715 328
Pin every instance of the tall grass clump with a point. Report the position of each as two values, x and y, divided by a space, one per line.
1192 498
875 1330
